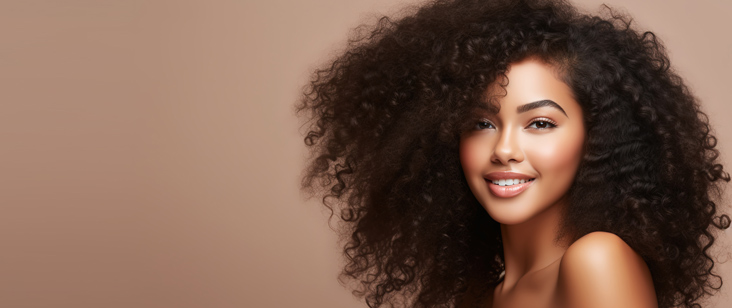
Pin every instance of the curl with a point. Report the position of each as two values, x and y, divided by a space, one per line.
385 118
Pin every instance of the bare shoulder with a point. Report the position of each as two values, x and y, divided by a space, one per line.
601 270
600 248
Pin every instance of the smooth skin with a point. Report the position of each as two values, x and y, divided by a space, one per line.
539 133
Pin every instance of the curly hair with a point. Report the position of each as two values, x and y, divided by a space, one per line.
384 124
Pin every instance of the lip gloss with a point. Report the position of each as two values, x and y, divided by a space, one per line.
508 191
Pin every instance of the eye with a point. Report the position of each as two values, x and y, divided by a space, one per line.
484 124
542 123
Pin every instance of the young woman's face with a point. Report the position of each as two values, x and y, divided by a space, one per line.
522 160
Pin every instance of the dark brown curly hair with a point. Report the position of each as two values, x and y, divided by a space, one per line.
384 124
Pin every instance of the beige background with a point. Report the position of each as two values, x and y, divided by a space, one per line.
149 155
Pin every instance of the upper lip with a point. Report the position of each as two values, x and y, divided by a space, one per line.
504 175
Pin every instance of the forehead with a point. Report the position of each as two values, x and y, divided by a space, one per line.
533 80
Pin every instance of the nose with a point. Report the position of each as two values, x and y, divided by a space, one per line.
507 149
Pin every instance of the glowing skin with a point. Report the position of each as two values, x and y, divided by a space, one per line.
519 164
537 136
543 143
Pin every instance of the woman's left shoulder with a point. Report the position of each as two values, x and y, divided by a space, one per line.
602 270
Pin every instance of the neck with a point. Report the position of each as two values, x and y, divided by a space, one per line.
532 245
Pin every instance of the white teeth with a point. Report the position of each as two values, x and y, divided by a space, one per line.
509 182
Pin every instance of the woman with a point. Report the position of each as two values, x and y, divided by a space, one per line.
515 154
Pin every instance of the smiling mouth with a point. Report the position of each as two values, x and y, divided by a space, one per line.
510 182
508 188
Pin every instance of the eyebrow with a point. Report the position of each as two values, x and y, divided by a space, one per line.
539 104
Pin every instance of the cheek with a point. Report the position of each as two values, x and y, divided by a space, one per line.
557 158
472 155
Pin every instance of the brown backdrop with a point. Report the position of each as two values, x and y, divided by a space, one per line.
150 156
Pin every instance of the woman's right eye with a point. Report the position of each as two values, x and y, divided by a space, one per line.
484 124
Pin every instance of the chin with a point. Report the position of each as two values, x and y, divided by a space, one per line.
514 214
510 217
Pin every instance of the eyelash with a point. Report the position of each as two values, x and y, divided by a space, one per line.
549 122
483 123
